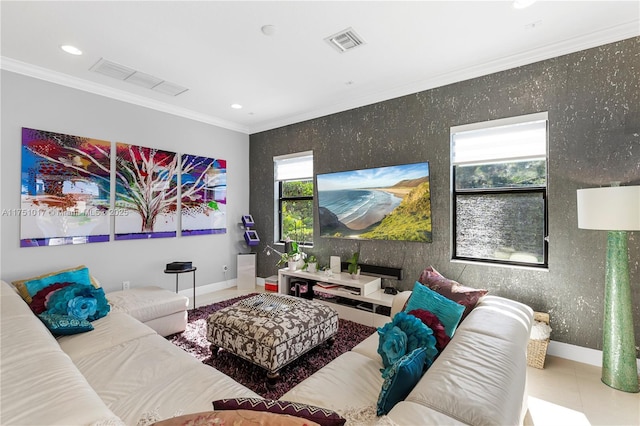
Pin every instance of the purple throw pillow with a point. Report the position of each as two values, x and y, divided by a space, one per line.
322 416
453 290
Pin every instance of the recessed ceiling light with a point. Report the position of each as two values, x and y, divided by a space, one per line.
236 106
72 50
268 30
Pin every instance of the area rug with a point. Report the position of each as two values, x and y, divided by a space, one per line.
194 341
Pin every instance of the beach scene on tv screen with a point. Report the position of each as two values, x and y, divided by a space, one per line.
384 203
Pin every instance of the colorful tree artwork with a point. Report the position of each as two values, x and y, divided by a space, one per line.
147 189
65 189
203 195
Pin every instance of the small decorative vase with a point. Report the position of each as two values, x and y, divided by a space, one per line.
312 268
356 275
293 265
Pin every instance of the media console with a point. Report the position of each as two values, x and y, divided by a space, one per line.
361 300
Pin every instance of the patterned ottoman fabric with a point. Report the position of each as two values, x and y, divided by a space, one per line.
271 330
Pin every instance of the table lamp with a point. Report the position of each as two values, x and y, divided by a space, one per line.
615 209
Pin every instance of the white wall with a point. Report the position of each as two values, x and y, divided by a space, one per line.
29 102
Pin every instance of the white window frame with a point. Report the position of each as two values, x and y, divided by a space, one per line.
531 150
293 166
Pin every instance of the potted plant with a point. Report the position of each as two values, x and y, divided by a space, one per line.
292 257
311 264
353 268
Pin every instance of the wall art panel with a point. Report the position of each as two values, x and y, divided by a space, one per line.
204 195
146 192
65 189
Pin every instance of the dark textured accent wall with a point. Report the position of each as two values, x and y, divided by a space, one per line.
593 101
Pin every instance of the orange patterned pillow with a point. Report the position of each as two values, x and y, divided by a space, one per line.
236 418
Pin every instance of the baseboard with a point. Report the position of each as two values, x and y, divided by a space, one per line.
578 353
208 288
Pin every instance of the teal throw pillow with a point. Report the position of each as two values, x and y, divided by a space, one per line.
400 379
392 344
80 301
448 312
29 287
63 325
401 336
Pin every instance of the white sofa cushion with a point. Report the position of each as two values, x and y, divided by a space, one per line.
412 414
40 384
350 381
111 331
148 374
501 318
480 377
369 348
148 303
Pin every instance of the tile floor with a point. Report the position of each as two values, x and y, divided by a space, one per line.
564 393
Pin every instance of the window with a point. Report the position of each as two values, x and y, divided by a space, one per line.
499 187
294 192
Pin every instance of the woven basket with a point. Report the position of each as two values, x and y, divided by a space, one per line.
537 349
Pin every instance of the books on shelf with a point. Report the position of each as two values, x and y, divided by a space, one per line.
326 285
350 290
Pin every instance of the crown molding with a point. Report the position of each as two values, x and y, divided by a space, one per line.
62 79
594 39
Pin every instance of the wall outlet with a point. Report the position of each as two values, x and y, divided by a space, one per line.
225 268
126 285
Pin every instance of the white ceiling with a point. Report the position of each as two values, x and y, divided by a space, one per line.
217 50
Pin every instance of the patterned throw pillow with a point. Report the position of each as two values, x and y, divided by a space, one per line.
401 336
448 312
453 290
70 292
319 415
400 379
63 325
30 286
235 418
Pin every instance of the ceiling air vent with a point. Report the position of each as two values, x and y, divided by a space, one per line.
345 40
121 72
111 69
169 88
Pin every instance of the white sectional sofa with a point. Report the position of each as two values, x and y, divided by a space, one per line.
123 371
119 373
479 378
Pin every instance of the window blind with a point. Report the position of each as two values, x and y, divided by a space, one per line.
515 142
293 167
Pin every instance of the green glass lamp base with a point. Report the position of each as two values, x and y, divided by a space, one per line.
619 368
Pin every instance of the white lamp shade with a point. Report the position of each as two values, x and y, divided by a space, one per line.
615 208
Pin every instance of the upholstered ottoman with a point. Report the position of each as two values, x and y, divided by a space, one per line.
271 330
160 309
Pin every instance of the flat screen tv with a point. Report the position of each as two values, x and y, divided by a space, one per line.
383 203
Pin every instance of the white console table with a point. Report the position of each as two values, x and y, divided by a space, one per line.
369 288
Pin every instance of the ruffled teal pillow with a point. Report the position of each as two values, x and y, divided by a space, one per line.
79 301
392 344
403 335
400 379
448 312
63 325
